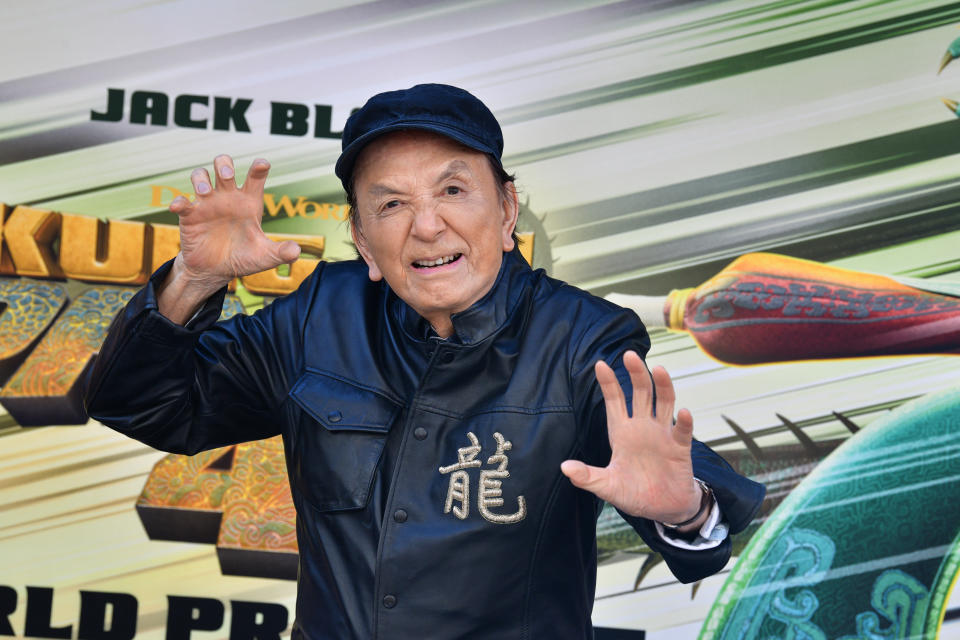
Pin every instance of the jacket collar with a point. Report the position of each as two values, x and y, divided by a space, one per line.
482 319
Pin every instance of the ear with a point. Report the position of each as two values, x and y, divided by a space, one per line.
511 209
361 243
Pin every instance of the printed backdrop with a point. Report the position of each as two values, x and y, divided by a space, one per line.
773 185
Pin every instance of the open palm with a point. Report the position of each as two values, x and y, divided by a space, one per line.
650 473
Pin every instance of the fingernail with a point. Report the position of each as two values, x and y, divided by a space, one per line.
226 172
203 187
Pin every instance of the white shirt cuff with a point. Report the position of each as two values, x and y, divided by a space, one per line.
711 534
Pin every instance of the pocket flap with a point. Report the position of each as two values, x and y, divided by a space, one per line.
342 406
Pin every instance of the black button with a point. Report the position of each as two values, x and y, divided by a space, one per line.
334 416
400 515
419 433
389 601
447 357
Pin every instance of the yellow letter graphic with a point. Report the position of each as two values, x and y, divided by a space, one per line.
273 207
526 246
105 252
30 307
164 245
6 264
237 497
45 389
29 234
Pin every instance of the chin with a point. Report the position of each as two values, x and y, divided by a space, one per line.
435 307
440 302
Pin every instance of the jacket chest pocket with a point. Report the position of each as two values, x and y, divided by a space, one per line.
339 441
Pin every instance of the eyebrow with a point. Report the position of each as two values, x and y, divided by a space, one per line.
378 190
454 168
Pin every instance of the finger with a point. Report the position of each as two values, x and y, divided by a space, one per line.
256 177
592 479
223 168
683 429
666 396
180 206
201 182
613 398
640 379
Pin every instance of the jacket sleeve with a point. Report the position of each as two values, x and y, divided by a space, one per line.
608 337
185 389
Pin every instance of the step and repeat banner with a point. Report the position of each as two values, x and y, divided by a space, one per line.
774 186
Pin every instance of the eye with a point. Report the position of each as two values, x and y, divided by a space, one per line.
391 204
452 190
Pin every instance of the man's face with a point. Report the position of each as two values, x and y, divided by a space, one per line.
423 199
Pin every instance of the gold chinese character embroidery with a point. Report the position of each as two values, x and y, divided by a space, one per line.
491 494
459 488
491 482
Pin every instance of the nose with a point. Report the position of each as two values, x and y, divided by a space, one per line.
428 222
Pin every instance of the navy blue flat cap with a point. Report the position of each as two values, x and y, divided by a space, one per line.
441 108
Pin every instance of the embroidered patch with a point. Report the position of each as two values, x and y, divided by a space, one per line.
490 494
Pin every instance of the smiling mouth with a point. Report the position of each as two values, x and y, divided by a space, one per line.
427 264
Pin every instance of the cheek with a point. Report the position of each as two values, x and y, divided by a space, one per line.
385 238
385 257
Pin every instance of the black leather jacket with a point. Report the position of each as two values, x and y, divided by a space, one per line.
425 472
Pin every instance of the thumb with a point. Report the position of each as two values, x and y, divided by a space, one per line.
270 254
592 479
288 251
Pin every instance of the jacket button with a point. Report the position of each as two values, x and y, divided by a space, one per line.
400 515
419 433
334 416
389 601
447 357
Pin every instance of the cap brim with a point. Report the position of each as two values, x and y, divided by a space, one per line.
344 166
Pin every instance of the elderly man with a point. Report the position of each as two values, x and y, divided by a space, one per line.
452 420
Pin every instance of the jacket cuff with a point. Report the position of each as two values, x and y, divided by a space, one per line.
710 535
156 327
739 497
687 565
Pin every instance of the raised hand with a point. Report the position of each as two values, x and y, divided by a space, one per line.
220 237
650 472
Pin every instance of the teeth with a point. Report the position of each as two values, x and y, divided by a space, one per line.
437 262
